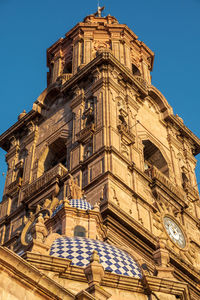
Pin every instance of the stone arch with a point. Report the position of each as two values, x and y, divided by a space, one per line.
154 157
46 98
53 152
160 100
146 137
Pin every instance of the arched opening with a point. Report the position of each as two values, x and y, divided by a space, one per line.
154 157
79 231
56 154
135 70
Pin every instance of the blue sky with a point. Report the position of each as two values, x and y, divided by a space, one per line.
27 28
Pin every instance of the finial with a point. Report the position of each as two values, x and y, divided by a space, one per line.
66 202
22 115
94 272
95 257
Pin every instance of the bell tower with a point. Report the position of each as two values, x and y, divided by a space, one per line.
101 156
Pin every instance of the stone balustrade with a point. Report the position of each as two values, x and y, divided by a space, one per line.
56 172
157 175
141 81
66 76
14 186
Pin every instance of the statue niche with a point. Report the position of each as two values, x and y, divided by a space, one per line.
73 189
127 136
88 126
88 115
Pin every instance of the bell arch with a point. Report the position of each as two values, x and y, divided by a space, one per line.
53 153
160 100
154 157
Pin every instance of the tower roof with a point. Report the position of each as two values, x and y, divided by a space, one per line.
102 28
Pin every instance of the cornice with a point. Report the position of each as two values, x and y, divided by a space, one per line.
144 237
104 57
66 271
119 220
185 132
30 276
16 127
185 271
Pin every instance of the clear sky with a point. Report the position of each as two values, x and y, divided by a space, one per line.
27 28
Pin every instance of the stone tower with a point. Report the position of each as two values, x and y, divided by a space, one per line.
100 163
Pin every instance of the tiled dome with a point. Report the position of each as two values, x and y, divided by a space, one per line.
78 203
79 251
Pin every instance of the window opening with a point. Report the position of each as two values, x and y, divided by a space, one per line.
56 155
68 68
79 231
135 70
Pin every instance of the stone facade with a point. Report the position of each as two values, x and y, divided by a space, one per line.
100 131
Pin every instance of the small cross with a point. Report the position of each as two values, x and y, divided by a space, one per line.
99 9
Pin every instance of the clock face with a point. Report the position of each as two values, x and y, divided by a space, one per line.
175 232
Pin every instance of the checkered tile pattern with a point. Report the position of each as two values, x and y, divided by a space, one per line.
78 203
57 209
79 251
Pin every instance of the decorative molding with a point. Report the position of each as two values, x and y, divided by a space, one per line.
127 137
86 133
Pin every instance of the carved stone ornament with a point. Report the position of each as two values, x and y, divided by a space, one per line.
162 259
39 230
124 129
94 272
33 227
101 45
73 189
182 249
22 115
127 137
86 133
